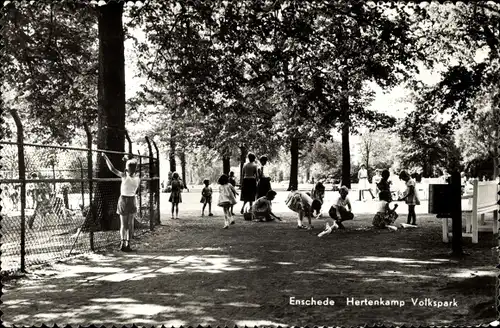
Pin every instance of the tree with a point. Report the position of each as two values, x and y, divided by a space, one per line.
50 68
427 143
111 104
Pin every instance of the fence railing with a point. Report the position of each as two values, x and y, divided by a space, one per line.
59 201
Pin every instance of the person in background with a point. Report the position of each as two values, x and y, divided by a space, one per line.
249 182
385 184
176 187
340 211
264 182
232 181
363 182
410 196
318 192
302 204
227 197
375 180
385 216
262 208
206 198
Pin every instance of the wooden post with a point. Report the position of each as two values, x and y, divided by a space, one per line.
22 177
90 176
456 214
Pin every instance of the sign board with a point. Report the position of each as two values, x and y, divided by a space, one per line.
440 199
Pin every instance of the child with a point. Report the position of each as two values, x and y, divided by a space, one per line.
227 197
262 210
176 187
206 198
385 184
303 204
376 180
410 197
126 203
232 181
341 210
363 182
385 217
318 192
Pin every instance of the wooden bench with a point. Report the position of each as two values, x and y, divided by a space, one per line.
483 200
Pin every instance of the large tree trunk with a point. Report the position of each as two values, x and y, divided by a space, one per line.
243 156
226 164
346 126
294 167
173 146
182 156
111 110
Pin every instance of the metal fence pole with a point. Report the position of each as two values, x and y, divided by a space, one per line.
22 177
151 195
90 176
157 184
140 187
129 142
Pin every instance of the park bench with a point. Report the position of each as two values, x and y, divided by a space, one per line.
482 200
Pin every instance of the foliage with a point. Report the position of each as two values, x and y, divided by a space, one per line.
50 67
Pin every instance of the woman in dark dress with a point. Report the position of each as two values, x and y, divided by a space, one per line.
249 182
264 183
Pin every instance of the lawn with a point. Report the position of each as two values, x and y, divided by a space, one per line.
190 271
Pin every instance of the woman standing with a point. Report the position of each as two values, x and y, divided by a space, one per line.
264 184
249 182
363 182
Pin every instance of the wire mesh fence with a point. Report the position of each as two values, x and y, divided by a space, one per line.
56 202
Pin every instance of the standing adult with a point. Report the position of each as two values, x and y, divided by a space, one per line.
363 182
264 181
249 182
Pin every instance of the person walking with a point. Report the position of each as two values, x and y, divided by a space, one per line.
363 183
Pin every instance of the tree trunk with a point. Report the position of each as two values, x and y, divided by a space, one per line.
308 174
111 110
226 164
243 156
173 146
182 156
294 167
346 124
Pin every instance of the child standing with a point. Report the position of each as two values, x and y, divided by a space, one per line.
385 217
227 197
206 198
175 196
232 181
126 207
410 197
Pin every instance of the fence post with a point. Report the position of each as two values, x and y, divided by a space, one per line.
157 184
140 186
129 142
90 176
151 195
22 177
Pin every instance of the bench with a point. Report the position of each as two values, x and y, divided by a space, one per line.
483 200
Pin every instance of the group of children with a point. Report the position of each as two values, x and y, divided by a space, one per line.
304 204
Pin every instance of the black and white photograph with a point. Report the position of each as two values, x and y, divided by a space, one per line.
252 163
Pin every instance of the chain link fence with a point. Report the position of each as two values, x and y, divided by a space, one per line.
56 202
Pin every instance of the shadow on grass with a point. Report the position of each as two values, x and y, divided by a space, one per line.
246 275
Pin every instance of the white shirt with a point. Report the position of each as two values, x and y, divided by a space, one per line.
339 201
129 185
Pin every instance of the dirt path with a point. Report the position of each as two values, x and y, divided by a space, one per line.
191 272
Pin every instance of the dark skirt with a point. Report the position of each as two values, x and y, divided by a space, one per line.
175 197
126 205
248 190
263 187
